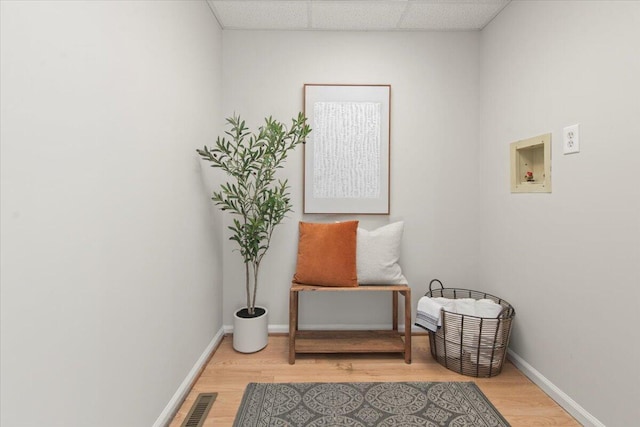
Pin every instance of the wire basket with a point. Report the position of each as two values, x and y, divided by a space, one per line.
471 345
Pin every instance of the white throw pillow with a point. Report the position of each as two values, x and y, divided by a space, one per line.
377 255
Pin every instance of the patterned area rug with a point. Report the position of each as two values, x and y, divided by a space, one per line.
406 404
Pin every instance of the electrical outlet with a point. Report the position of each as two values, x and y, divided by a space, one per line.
571 139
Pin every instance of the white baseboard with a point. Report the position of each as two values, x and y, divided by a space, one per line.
569 405
174 404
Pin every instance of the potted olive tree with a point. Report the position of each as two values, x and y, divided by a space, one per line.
258 201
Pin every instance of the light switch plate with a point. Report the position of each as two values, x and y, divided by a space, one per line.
571 139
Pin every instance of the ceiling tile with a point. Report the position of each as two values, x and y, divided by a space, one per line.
261 14
356 15
450 15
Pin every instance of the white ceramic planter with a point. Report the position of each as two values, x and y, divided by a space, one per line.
250 334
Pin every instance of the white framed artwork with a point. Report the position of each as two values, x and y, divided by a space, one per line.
346 157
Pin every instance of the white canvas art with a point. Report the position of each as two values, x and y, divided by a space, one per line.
346 160
347 152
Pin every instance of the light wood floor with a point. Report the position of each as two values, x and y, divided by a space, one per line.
520 401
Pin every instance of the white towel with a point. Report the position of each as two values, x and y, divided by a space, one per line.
429 313
465 306
487 308
483 353
448 304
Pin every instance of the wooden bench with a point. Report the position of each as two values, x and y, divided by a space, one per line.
377 341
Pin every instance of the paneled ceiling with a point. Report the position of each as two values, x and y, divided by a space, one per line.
356 15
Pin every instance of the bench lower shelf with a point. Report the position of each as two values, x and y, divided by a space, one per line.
349 342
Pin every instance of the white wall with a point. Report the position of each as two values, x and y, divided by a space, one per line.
110 268
434 109
569 260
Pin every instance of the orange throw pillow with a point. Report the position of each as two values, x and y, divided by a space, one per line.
327 254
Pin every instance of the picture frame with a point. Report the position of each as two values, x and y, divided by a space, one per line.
346 157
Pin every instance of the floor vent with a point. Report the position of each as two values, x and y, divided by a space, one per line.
199 410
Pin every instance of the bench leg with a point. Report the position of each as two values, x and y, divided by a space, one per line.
407 326
394 310
293 325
